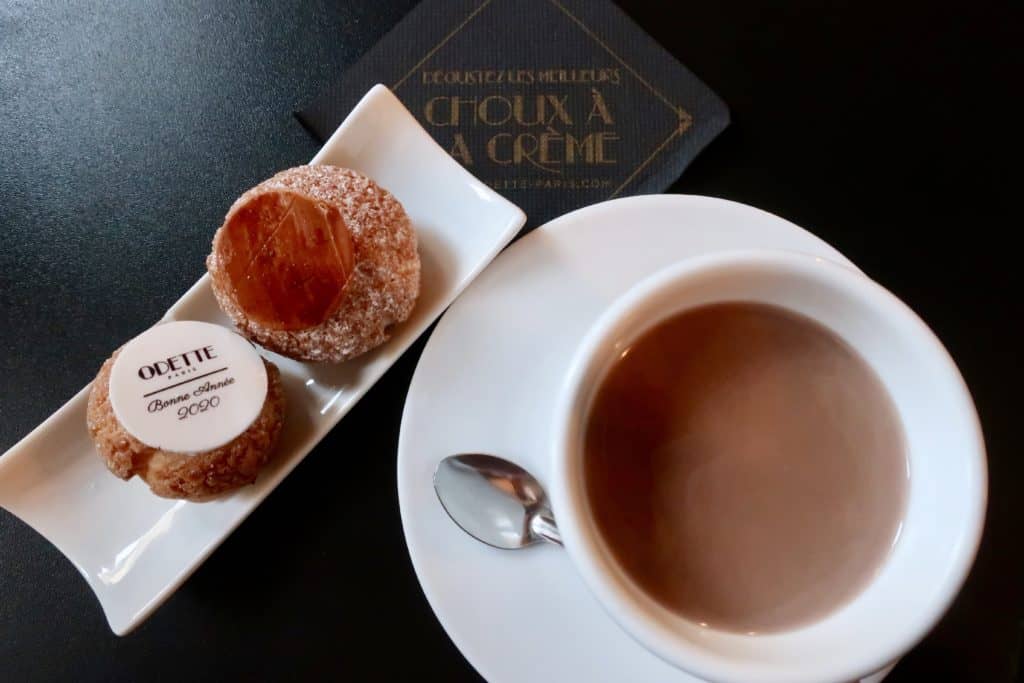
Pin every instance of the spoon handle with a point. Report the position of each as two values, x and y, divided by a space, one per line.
543 526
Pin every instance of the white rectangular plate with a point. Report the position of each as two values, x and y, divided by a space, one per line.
134 548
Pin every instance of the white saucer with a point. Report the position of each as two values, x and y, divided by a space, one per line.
487 381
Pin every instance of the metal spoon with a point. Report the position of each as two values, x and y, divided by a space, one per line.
495 501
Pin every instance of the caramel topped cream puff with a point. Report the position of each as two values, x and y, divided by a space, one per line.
316 263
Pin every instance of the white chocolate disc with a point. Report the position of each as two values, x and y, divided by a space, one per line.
187 386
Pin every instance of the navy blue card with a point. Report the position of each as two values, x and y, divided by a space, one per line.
554 103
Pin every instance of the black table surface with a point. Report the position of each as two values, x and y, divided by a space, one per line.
127 128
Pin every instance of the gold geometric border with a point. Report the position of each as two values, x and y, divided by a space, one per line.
684 118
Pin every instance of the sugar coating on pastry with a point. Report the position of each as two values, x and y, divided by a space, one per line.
316 263
193 476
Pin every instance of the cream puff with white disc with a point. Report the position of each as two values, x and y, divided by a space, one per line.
190 407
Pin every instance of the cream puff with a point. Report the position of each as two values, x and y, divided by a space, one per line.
189 407
317 263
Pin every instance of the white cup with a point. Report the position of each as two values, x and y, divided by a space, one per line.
948 480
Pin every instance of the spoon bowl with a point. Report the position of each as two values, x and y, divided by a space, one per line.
495 501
